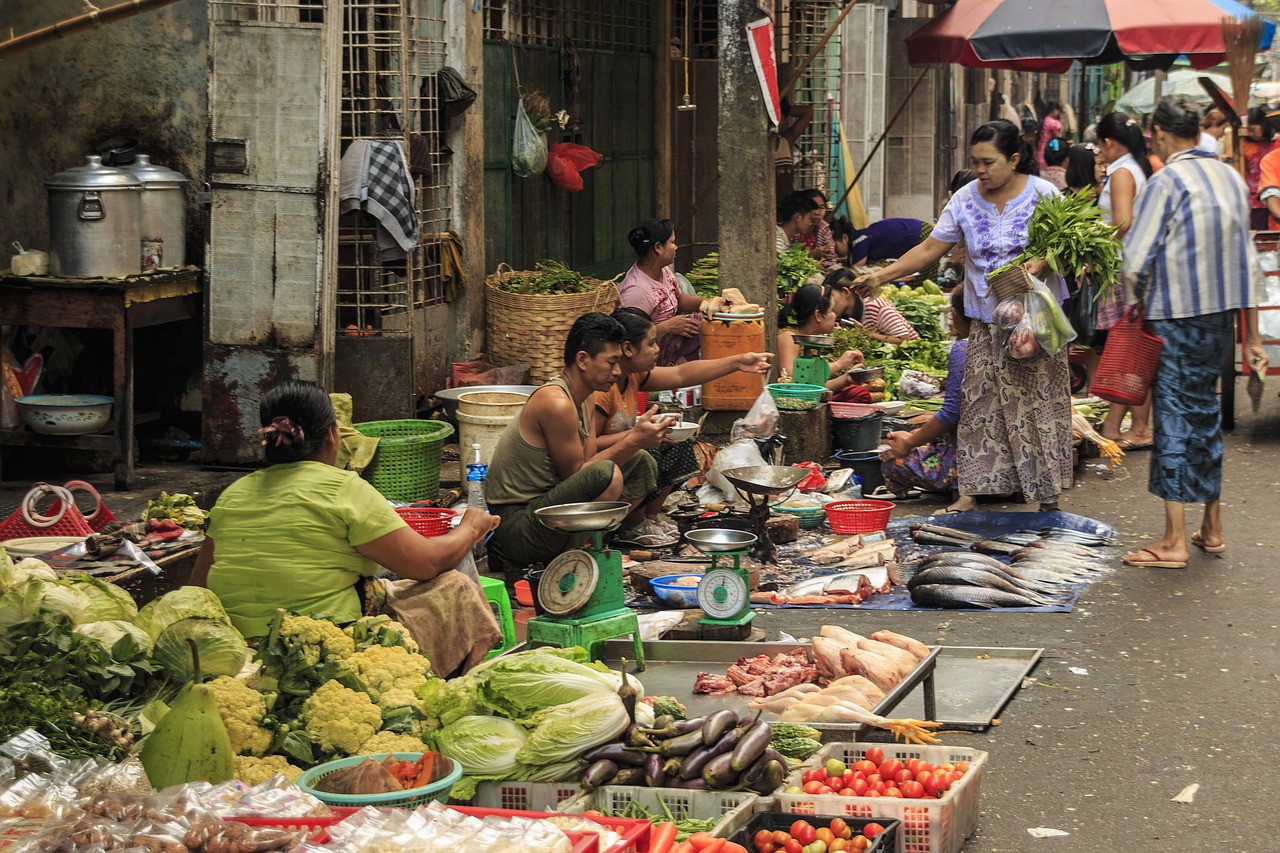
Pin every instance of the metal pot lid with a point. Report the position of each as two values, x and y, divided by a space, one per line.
93 176
153 174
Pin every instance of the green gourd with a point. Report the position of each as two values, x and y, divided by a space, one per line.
190 743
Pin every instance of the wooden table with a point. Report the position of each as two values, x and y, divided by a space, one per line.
120 305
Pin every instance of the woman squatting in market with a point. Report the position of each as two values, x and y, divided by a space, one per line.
650 285
1014 435
1189 265
309 537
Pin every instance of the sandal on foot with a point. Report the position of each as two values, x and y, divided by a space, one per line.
1129 447
1198 541
1155 561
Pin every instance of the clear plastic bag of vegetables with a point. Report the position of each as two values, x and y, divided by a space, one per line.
1022 341
528 146
1052 329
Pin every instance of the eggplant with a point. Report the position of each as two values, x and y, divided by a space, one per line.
629 776
599 773
755 741
719 772
617 753
663 721
675 728
717 724
637 737
682 745
672 766
683 727
654 774
704 754
688 784
768 781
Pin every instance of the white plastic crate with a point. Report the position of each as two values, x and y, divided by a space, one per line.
734 808
928 825
525 796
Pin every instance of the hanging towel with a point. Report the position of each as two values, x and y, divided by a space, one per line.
451 273
355 450
374 177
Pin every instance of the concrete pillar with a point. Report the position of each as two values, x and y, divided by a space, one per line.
466 48
747 206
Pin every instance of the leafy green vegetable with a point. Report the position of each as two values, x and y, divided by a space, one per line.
222 650
176 507
484 746
551 277
518 685
923 355
795 268
704 275
182 602
124 640
566 731
106 600
1068 231
920 307
795 740
669 706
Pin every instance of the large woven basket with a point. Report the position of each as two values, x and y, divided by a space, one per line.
1012 282
527 329
406 465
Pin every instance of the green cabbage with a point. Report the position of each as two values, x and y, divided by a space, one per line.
15 575
31 598
565 731
107 601
484 746
184 601
521 684
222 650
125 641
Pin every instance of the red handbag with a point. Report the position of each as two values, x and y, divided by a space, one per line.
1128 363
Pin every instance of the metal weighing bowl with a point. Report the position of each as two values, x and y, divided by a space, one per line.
860 375
765 479
718 540
448 397
580 518
815 340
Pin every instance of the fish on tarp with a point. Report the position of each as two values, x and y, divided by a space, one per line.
939 530
928 537
995 546
1079 537
962 557
955 595
960 576
1042 575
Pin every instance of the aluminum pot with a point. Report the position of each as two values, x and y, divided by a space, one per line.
95 222
164 210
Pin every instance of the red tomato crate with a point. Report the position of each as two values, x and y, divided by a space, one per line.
635 833
885 842
927 825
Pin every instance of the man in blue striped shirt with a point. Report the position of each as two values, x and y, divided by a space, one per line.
1190 262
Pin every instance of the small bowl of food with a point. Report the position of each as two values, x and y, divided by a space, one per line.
677 590
683 431
892 407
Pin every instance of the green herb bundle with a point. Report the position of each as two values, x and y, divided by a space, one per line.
550 278
1069 233
705 275
794 269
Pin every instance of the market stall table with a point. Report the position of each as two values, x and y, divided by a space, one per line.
121 305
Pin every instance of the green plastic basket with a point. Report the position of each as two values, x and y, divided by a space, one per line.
406 465
437 791
809 516
796 396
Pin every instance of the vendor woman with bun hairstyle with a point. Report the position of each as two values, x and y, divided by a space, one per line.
650 285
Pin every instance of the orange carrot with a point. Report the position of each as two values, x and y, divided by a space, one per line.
701 840
662 837
716 845
683 847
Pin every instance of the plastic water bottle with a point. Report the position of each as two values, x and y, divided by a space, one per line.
476 472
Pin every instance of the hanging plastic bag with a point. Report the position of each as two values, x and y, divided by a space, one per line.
742 453
760 421
1082 311
528 146
566 161
1022 341
1051 327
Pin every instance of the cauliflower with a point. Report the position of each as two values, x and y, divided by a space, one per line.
391 742
315 635
380 630
242 709
392 675
255 771
339 719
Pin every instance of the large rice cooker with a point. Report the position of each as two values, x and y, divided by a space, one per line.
95 222
163 210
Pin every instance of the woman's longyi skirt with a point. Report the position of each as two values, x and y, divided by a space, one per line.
1015 422
1186 462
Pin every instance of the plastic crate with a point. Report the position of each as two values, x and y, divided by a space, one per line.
635 833
428 520
928 825
734 808
525 796
885 842
810 517
406 464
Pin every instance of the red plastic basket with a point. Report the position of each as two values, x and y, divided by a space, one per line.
859 516
100 517
1128 363
429 521
26 520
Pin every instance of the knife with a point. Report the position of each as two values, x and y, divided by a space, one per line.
1254 386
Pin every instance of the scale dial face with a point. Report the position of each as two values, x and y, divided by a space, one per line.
723 594
568 583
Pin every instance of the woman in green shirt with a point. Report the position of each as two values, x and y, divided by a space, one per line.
303 534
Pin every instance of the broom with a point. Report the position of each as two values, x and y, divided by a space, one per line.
1241 39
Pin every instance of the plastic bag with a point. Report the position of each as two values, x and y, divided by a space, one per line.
1022 341
528 146
743 453
565 162
1081 309
914 383
760 421
1046 318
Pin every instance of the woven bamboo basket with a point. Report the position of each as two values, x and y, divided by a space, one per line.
1012 282
531 329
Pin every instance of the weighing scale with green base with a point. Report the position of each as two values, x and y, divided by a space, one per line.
811 366
724 593
581 591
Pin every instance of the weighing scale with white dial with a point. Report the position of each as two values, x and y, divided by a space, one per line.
724 593
811 366
581 591
758 484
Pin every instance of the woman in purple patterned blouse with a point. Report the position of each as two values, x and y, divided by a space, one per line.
1014 433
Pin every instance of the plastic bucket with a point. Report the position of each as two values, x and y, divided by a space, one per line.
857 435
866 465
737 391
492 404
482 430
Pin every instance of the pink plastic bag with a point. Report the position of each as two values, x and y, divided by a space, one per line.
565 162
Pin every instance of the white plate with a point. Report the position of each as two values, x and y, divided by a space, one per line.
33 546
892 407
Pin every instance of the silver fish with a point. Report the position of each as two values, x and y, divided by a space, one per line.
951 532
995 546
958 576
949 595
1044 576
963 557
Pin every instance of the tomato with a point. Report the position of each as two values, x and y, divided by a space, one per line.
826 789
937 785
813 776
903 775
846 781
953 777
768 847
845 792
840 828
871 830
816 846
871 792
962 766
793 846
859 843
912 790
865 766
781 837
763 837
859 787
890 767
812 786
913 764
874 779
929 765
947 767
838 845
878 787
892 792
875 755
923 777
826 836
804 833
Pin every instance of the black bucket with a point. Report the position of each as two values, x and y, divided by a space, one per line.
533 576
857 435
866 465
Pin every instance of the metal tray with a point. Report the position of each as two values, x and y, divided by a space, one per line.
671 666
973 683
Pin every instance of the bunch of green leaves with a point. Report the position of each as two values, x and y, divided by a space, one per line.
922 309
549 278
795 268
176 507
705 275
1069 233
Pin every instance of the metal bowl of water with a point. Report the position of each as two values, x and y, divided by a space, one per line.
579 518
718 540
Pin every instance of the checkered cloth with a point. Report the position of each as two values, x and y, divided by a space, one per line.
375 179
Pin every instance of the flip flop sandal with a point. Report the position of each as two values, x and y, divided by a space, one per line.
1129 447
1208 549
1156 561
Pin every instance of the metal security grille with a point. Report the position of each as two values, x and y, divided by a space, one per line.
268 11
801 25
591 24
391 53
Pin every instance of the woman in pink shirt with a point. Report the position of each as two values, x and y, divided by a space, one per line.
1049 129
651 286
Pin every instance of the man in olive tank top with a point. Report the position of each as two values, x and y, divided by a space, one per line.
548 454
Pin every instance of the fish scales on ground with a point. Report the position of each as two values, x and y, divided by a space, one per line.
955 596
